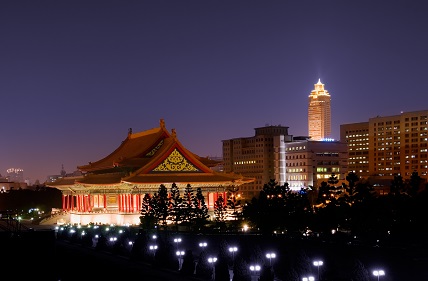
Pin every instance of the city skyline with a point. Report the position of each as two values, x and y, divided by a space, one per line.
75 76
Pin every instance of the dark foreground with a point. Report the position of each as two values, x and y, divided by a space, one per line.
39 255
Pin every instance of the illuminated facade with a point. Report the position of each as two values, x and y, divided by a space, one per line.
394 144
274 154
319 113
111 189
256 157
356 135
308 162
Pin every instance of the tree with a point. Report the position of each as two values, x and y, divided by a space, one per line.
397 186
161 205
332 180
233 203
359 271
175 205
352 178
188 205
201 209
220 209
414 184
148 218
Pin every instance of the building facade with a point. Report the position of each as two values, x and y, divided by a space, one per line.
395 144
319 113
308 162
255 157
274 154
357 137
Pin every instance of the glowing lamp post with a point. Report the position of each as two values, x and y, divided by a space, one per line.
318 264
378 273
176 242
203 245
153 248
212 260
180 255
255 269
233 250
309 278
270 256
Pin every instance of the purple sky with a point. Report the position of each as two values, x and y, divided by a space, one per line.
75 75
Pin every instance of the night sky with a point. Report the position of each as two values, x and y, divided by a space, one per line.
75 75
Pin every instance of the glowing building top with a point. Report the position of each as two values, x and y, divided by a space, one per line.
319 113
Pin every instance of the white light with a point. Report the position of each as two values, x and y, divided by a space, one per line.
255 267
233 249
378 273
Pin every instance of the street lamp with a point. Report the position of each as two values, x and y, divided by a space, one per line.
318 264
255 269
309 278
233 250
270 256
203 245
176 241
378 273
153 248
212 260
180 255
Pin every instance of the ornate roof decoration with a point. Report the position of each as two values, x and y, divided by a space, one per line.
176 162
156 148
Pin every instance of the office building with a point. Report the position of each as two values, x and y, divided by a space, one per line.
395 144
274 154
319 113
357 137
257 157
308 163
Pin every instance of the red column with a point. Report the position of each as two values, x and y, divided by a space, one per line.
89 203
132 203
105 201
63 202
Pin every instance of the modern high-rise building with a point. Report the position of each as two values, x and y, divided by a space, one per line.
389 145
319 113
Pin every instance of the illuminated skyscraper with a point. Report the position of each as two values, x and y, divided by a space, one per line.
319 113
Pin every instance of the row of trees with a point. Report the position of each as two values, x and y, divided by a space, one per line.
165 207
170 207
354 208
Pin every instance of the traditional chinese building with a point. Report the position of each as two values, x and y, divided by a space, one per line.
111 189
